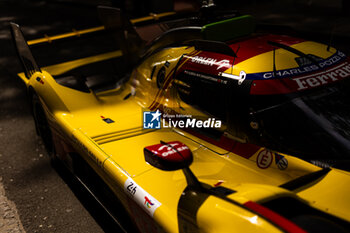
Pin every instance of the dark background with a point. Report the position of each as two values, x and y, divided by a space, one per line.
49 201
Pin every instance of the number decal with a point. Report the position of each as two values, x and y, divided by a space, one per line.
131 188
148 203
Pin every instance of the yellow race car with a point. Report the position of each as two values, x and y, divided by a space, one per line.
206 125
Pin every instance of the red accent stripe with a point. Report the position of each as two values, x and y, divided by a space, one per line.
277 219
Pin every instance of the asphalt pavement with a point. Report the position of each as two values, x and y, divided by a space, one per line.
44 199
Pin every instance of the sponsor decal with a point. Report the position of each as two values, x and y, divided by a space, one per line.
205 76
148 202
283 86
290 72
329 76
151 120
141 197
223 63
169 149
131 188
264 159
107 120
87 151
325 63
281 161
208 61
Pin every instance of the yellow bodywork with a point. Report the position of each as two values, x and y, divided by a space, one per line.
115 152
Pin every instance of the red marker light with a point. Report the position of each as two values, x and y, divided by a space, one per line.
218 183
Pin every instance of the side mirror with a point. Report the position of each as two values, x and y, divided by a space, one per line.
168 156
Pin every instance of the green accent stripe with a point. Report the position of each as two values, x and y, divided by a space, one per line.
229 29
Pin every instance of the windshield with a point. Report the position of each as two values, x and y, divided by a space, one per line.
315 125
